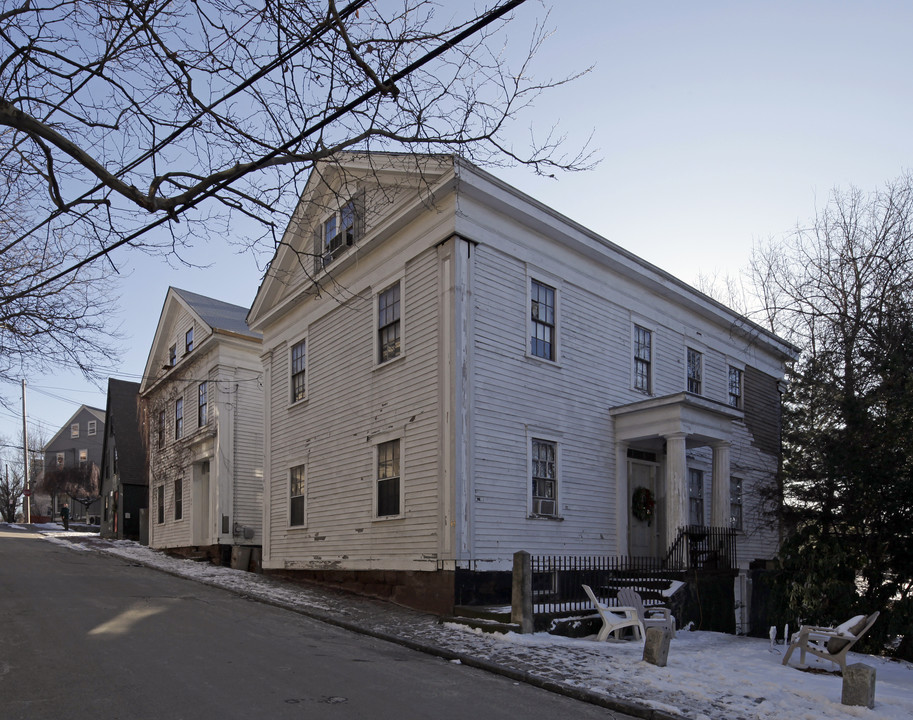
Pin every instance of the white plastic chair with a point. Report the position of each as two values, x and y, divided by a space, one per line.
615 619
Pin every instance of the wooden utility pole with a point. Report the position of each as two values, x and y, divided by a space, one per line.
25 455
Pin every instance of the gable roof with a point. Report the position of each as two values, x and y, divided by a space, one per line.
215 317
97 413
124 426
217 314
440 174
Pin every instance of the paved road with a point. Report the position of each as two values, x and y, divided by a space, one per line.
86 635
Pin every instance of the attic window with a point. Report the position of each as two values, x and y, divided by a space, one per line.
338 232
188 341
172 355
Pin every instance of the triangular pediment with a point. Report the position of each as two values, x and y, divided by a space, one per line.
371 187
183 311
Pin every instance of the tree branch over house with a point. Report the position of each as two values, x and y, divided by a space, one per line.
155 124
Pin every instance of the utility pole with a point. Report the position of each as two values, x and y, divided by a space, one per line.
25 454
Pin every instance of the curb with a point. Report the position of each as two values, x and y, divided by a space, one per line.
583 695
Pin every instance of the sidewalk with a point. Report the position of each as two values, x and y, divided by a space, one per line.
710 675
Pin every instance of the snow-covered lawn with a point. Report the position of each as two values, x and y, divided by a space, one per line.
709 675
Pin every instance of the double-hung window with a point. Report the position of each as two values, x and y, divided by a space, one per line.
543 330
296 496
735 503
643 359
188 341
178 418
337 233
735 387
299 371
695 361
161 429
74 430
173 356
545 477
178 499
388 479
160 503
92 428
203 404
83 459
388 323
695 496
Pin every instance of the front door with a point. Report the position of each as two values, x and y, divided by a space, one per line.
644 534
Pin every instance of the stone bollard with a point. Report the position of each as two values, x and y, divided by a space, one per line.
656 646
859 685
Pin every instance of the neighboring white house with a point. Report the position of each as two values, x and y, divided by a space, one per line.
203 396
455 371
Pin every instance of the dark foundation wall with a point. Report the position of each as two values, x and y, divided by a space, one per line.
428 591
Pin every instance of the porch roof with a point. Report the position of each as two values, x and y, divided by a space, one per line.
701 420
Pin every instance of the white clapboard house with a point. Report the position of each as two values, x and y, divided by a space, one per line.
455 372
203 400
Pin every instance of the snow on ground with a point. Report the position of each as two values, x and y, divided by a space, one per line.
709 675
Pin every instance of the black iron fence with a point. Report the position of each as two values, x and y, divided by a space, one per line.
557 580
700 547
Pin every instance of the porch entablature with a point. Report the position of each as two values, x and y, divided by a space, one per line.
700 420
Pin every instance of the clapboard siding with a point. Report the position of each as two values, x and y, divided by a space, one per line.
352 405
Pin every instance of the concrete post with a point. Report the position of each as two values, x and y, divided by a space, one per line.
656 646
859 685
521 605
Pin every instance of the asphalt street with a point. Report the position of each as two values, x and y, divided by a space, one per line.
89 635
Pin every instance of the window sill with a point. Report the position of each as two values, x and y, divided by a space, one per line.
556 518
298 403
388 518
296 528
542 360
388 363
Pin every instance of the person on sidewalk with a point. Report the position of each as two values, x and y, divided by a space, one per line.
65 516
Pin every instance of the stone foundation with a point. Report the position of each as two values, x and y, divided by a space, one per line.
428 591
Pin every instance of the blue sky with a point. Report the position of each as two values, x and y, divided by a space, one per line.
719 124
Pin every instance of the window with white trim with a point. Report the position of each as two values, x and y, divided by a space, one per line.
188 341
60 460
389 340
74 430
178 499
160 503
203 404
735 387
543 328
695 361
695 496
389 487
83 458
298 360
735 503
545 477
296 496
173 356
338 232
92 427
178 418
643 359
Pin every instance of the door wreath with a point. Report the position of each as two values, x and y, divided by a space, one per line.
643 504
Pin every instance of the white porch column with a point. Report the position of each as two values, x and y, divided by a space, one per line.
719 499
676 505
622 493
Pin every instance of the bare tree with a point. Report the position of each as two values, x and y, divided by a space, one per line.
11 491
842 290
184 117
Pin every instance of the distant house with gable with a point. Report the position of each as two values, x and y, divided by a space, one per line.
76 446
202 394
124 478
